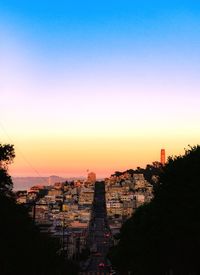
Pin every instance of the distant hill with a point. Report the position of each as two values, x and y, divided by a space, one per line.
24 183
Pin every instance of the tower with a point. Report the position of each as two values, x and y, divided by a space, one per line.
162 156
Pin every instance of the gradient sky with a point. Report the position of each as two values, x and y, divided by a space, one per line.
98 85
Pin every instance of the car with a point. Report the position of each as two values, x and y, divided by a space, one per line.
101 265
112 272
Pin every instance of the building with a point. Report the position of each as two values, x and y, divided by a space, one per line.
91 177
86 196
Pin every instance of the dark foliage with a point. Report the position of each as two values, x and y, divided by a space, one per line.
6 183
7 154
163 237
23 249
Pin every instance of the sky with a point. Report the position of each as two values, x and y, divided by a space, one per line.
98 85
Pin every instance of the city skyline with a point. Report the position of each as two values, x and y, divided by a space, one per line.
99 86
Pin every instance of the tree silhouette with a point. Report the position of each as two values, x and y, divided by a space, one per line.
163 237
7 155
23 249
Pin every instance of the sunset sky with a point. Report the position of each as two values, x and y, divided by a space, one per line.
98 85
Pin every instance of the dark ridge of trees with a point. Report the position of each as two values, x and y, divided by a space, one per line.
23 249
163 237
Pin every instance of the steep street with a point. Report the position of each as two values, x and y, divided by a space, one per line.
99 236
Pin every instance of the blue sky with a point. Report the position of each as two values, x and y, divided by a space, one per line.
101 25
127 71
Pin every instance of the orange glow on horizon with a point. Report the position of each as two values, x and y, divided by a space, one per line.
64 155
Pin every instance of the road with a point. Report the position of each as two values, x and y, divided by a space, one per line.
99 237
